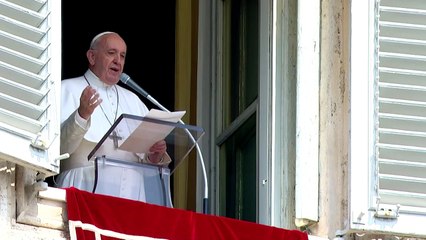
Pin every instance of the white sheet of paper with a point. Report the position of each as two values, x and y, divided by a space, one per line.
148 133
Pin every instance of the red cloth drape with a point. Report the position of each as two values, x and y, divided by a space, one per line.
91 214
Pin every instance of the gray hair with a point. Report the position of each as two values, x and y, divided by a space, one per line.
97 37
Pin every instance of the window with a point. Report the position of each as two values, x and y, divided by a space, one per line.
30 74
239 98
388 129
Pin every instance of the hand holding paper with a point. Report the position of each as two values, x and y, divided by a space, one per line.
157 151
148 133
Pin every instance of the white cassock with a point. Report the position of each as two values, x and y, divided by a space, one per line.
79 137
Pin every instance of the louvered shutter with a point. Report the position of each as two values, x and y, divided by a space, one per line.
401 110
30 74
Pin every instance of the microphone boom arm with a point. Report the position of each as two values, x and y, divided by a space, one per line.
128 81
206 190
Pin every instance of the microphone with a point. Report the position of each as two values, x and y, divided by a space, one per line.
124 78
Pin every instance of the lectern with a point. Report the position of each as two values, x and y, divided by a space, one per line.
130 137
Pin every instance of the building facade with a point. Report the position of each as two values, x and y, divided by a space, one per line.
313 113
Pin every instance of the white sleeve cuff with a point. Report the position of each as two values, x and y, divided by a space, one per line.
83 123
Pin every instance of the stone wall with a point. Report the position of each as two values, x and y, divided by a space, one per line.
26 213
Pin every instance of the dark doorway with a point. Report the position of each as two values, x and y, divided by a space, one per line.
148 28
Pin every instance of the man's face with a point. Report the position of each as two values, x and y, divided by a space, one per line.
107 59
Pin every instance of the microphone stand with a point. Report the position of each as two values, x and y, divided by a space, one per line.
206 190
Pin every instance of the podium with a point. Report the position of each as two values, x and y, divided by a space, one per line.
118 157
